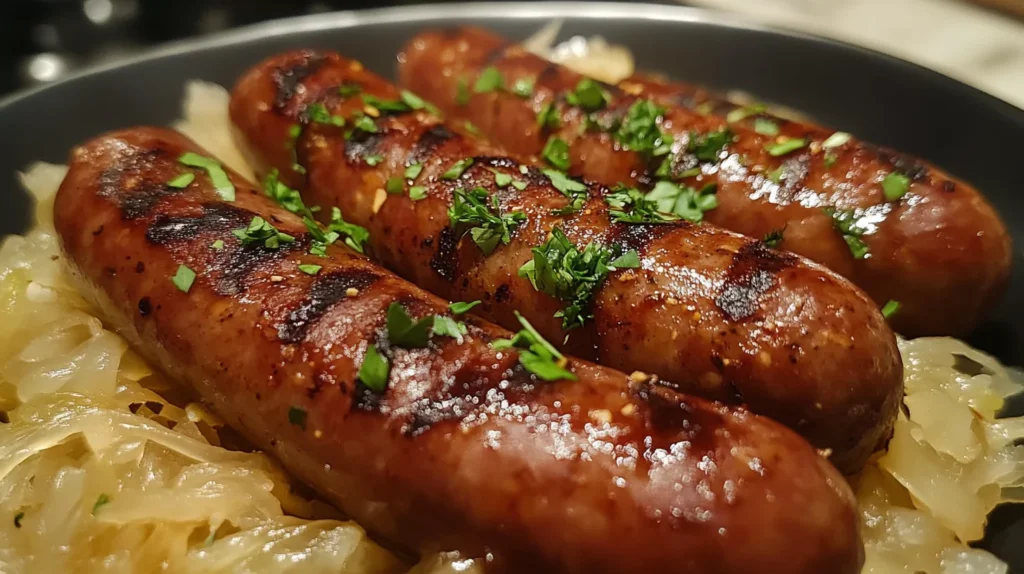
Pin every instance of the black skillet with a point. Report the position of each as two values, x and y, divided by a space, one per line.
882 99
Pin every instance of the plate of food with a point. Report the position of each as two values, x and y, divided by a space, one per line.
501 288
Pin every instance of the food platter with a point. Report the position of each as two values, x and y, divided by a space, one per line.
884 100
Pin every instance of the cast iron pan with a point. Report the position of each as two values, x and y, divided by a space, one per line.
884 100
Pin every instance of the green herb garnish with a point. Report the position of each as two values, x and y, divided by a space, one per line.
182 181
844 221
309 268
708 147
830 159
523 87
285 196
478 212
101 501
559 269
318 113
460 308
373 160
448 327
404 332
639 129
588 95
349 89
788 146
413 171
457 169
774 237
394 185
374 371
218 244
556 152
183 278
835 140
547 117
683 201
766 127
574 190
355 235
261 231
297 416
501 179
536 355
461 92
739 114
490 80
221 183
417 192
890 308
895 185
630 205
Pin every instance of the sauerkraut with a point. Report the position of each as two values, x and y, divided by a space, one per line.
106 466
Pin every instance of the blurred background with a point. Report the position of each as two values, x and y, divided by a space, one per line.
980 42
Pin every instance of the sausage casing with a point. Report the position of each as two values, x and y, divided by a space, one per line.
463 449
718 313
918 237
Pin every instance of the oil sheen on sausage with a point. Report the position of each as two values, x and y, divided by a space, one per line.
921 237
464 449
718 313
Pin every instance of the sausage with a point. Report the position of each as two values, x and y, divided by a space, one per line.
463 449
715 312
934 244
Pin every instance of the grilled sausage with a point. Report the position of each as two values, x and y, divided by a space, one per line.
930 242
716 312
464 449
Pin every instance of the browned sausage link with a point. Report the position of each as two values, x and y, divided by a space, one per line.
940 250
713 311
464 449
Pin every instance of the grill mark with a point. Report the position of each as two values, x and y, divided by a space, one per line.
637 236
429 140
363 144
445 260
142 196
751 274
287 79
216 217
326 291
239 263
503 293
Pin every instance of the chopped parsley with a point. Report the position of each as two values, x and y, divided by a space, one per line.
490 80
501 179
639 129
519 184
417 192
536 355
766 127
739 114
556 152
547 117
472 129
461 92
784 147
890 308
559 269
415 102
309 268
182 181
362 123
349 89
183 278
374 371
394 185
776 174
218 244
683 201
221 183
830 159
101 501
895 185
355 235
843 220
17 519
318 113
708 147
774 237
457 169
413 171
574 190
448 327
406 333
630 205
373 160
835 140
588 95
261 231
478 212
459 308
283 195
523 87
297 416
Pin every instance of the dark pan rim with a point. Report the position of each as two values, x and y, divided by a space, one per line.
436 13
